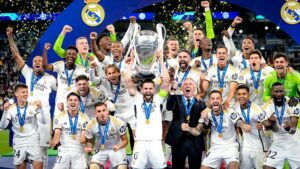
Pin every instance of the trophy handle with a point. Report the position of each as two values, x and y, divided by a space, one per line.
135 28
161 31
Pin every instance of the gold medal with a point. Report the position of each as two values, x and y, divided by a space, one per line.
68 88
180 89
147 121
102 146
220 135
31 93
21 129
221 90
256 91
73 137
188 118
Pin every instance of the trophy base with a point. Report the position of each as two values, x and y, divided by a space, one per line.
144 76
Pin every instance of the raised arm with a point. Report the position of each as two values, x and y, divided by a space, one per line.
46 66
112 33
14 49
129 83
58 43
208 20
4 121
96 51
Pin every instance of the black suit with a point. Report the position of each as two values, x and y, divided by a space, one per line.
183 143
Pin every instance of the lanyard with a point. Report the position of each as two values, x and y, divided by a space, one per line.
147 110
34 80
204 64
187 108
73 126
102 135
69 78
244 63
85 63
247 117
184 76
255 80
21 117
280 116
221 79
219 126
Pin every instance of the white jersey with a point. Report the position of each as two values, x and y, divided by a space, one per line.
116 129
229 136
255 140
205 64
256 95
94 95
41 89
123 101
108 60
29 134
62 81
153 130
193 73
67 140
281 136
212 77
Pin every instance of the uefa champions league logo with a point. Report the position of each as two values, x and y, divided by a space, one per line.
92 14
290 12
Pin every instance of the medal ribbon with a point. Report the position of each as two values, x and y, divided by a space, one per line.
219 127
280 116
69 78
187 109
21 117
117 92
85 63
34 80
255 80
184 76
246 117
204 64
147 110
221 79
244 63
73 126
103 136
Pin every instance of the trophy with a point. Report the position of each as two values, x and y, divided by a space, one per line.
145 44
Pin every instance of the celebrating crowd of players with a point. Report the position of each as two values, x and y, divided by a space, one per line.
209 107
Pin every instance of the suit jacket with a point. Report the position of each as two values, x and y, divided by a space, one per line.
175 134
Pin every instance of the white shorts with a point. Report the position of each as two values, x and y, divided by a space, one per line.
252 159
74 159
148 154
278 153
115 158
214 157
32 153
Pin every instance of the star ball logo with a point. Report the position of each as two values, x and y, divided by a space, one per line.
92 14
290 12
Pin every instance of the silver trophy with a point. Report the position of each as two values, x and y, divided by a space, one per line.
145 44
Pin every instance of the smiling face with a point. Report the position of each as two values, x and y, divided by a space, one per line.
280 65
188 88
255 61
198 35
215 100
73 103
242 96
37 64
222 57
148 90
173 47
71 56
184 59
278 93
82 45
117 50
113 75
22 94
102 113
247 46
82 87
105 43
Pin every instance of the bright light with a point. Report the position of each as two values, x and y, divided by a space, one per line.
266 27
241 31
262 48
277 27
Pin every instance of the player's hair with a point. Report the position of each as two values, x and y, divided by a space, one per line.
200 29
72 48
99 104
102 35
73 94
243 87
112 66
20 86
255 51
249 37
117 42
81 77
277 84
189 78
172 38
147 81
280 55
184 50
81 37
215 91
222 47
